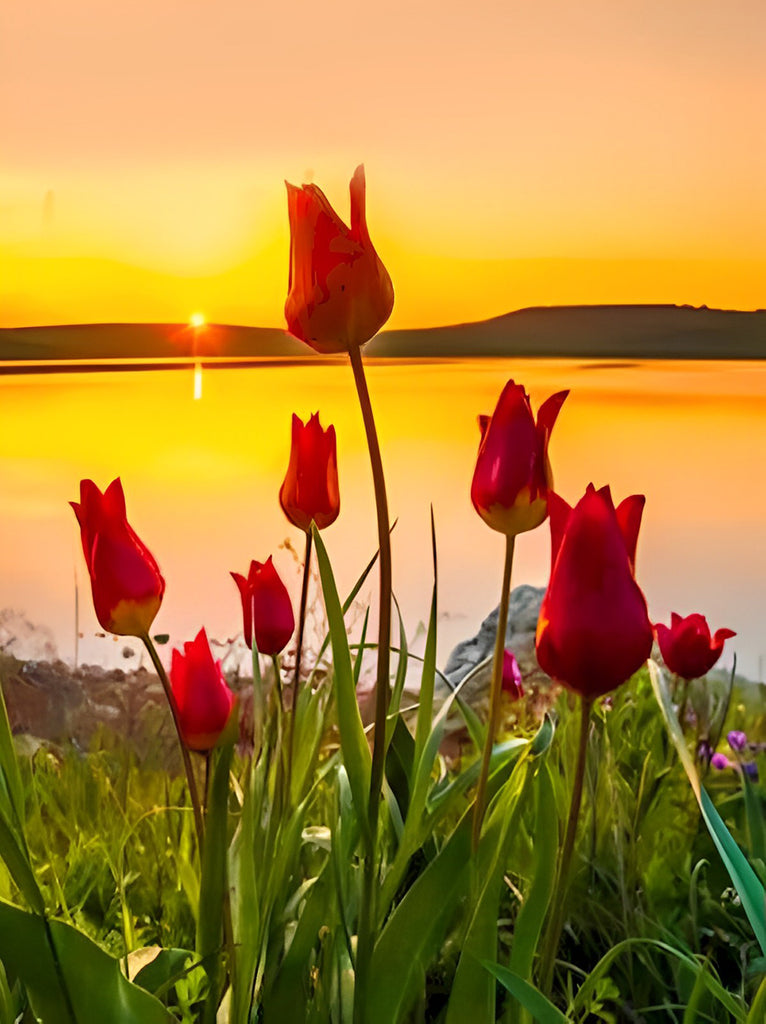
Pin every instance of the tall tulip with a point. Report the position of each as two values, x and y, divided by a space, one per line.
513 473
339 292
125 579
510 492
687 647
202 695
310 488
266 607
339 296
594 631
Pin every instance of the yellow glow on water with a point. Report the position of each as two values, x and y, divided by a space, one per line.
202 481
197 381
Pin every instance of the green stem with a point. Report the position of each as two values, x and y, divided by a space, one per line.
495 694
188 767
556 923
257 702
365 939
279 751
298 652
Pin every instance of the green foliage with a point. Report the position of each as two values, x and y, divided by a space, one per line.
651 917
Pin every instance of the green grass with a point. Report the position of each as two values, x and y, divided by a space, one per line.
111 843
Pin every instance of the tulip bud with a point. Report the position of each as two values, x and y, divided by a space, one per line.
204 702
125 579
310 489
339 292
513 474
687 647
593 632
266 607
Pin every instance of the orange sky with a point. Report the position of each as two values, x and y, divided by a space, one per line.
516 153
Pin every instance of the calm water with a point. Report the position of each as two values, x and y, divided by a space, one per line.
202 476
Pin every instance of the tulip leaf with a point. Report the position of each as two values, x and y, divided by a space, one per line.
472 992
414 930
356 752
746 882
168 967
399 761
541 1008
401 677
428 676
288 998
529 923
757 1012
17 862
96 987
347 603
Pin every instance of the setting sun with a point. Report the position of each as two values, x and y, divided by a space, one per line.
196 320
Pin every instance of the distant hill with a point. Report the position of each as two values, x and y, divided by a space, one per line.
601 332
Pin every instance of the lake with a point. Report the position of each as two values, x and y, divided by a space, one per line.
202 476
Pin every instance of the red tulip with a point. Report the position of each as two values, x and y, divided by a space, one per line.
339 292
125 579
202 696
687 647
266 607
513 475
512 676
310 490
593 632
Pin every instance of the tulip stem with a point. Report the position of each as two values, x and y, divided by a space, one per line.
496 691
298 652
382 692
558 903
188 767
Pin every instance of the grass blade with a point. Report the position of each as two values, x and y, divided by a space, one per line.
746 882
541 1008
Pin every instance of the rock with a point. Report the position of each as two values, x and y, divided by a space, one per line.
23 639
523 612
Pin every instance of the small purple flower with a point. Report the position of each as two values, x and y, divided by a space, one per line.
720 761
737 740
751 769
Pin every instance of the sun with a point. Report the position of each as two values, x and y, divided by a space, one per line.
197 320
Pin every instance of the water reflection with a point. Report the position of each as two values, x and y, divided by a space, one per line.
202 477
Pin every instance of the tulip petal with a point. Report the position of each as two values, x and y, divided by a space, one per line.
559 512
629 513
722 634
247 606
548 413
357 189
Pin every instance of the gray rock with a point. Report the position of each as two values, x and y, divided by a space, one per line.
523 612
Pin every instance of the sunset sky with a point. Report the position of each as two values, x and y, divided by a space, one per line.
516 153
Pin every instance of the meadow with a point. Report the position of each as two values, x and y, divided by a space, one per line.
584 844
